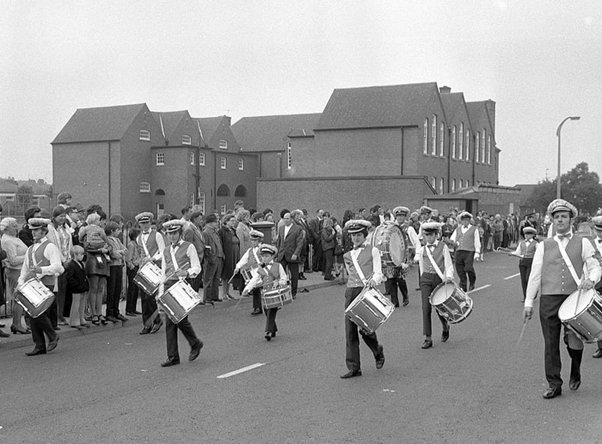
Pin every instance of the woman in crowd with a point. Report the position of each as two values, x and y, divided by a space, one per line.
243 229
15 255
231 246
25 232
327 235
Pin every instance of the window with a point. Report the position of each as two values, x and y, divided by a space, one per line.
144 135
477 150
453 186
441 138
191 199
467 157
160 159
425 136
186 139
453 142
441 185
434 135
222 163
144 187
461 142
222 209
488 150
202 202
223 144
191 158
202 159
289 158
241 164
483 146
434 183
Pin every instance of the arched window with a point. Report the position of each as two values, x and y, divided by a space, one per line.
461 153
434 135
240 191
453 185
223 190
159 192
425 136
441 138
477 151
453 142
488 150
467 144
483 160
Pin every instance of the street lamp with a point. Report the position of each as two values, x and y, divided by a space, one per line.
558 135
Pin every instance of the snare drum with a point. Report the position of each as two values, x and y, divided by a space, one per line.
451 302
586 319
178 301
278 296
34 297
248 274
370 309
148 278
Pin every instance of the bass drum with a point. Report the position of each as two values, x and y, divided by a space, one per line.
389 240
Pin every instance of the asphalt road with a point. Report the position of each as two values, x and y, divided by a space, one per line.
480 386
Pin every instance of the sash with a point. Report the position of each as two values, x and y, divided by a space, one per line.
359 270
435 266
568 262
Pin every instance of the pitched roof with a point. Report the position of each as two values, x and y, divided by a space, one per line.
169 121
453 104
268 133
99 124
377 106
479 117
209 126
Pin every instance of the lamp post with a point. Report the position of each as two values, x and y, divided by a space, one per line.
558 135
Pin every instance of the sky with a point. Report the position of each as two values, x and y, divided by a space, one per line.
540 61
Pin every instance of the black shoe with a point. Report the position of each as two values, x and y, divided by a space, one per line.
574 383
552 392
428 343
57 328
256 312
136 312
471 287
396 305
445 335
122 318
351 374
194 351
302 277
145 331
268 336
19 330
598 353
2 325
35 352
170 362
405 302
52 344
380 358
156 327
3 334
112 319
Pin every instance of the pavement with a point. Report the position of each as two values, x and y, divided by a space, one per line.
314 281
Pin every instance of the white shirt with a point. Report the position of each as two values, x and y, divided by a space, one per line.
448 273
377 270
160 244
477 237
51 253
287 228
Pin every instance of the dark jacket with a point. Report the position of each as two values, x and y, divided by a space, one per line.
328 238
75 275
290 246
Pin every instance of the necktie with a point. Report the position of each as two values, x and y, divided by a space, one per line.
564 236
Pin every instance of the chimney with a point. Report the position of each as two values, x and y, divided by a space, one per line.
444 89
490 107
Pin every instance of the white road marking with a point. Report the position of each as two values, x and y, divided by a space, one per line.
513 276
480 288
241 370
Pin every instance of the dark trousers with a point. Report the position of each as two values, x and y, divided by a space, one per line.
293 267
328 262
524 266
464 266
551 329
114 286
171 334
352 340
256 293
52 312
213 271
392 285
428 282
270 320
61 296
132 291
149 305
317 259
42 324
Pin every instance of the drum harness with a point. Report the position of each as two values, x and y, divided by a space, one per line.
571 267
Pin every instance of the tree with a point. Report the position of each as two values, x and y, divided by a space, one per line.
24 196
579 186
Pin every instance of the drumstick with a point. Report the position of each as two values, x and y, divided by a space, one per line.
577 303
522 332
149 322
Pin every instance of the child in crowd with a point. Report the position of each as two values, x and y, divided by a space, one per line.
77 286
133 258
93 237
115 281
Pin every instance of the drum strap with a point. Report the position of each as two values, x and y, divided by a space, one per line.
568 262
359 270
435 266
255 254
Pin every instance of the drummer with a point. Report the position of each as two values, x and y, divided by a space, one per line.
268 273
151 246
364 269
411 243
525 250
468 244
180 260
551 278
250 260
597 221
436 266
42 261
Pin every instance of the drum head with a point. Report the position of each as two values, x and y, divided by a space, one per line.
442 292
397 248
569 309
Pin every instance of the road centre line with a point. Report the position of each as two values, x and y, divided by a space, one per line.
241 370
513 276
480 288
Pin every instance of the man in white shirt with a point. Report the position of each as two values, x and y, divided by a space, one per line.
468 244
597 221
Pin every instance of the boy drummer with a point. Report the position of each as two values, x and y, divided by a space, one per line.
268 273
436 266
364 269
180 260
251 260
